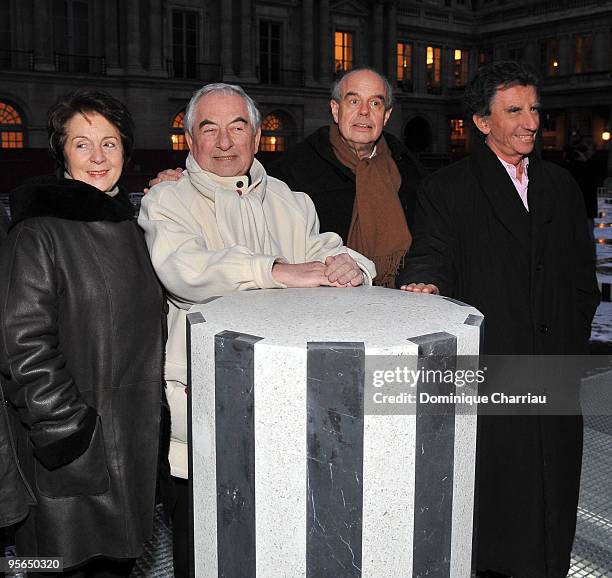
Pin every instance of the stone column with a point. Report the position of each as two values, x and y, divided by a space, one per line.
307 42
473 62
447 76
134 64
23 24
156 39
418 81
566 55
391 29
248 51
111 38
226 42
601 40
377 44
326 43
531 54
43 35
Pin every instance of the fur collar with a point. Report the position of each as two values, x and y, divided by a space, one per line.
68 199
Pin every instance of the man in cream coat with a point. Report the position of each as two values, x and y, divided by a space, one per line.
226 226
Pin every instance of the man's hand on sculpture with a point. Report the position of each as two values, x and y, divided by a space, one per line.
342 270
311 274
421 288
167 175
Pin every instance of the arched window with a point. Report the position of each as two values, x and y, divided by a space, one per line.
276 130
177 133
11 127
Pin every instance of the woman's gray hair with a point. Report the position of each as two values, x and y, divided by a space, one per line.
337 96
222 88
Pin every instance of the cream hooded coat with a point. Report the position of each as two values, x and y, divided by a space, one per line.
205 239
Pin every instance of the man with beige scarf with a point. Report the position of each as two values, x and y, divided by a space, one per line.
362 181
226 226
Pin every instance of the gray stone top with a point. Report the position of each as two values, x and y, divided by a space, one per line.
381 318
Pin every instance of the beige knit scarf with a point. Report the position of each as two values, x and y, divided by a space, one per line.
378 226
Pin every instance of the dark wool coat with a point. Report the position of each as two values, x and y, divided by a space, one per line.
532 275
312 167
81 354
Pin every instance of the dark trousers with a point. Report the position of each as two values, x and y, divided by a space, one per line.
180 527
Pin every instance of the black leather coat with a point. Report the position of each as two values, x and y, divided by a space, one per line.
16 497
81 355
312 167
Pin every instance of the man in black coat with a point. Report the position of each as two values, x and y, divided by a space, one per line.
314 166
507 233
311 166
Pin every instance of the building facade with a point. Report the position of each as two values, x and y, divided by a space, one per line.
153 54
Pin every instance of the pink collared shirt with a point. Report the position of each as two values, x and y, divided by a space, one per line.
521 186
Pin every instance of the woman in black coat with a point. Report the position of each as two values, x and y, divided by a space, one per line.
81 347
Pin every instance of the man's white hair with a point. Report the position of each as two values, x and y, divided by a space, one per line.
221 88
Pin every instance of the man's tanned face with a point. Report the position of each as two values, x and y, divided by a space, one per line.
361 113
512 125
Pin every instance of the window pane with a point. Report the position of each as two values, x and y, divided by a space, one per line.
184 43
583 54
343 51
270 52
272 143
433 61
404 64
11 140
178 121
460 67
179 143
271 123
8 115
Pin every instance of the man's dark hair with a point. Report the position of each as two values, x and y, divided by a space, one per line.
82 101
489 78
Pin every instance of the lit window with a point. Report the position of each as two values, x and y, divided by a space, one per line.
433 62
177 133
457 129
460 67
457 135
583 53
271 123
11 127
275 130
343 51
272 143
404 65
178 121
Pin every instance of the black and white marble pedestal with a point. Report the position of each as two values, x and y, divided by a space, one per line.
294 471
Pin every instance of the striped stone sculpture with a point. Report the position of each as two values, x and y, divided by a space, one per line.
295 471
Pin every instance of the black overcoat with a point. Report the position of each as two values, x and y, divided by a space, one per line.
312 167
532 275
81 354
